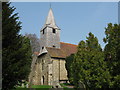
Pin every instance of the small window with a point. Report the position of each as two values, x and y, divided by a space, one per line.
42 47
53 46
43 31
54 31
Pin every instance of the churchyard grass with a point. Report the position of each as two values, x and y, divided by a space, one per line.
41 86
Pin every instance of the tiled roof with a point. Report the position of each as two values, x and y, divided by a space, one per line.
65 50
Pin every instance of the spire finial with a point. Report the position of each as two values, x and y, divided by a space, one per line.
50 4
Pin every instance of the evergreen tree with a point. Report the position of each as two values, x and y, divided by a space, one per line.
112 52
69 68
16 52
90 67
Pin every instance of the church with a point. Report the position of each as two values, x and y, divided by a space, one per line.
48 66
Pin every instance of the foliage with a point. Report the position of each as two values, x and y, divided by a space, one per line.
63 85
68 65
89 66
24 84
66 85
35 42
112 52
16 53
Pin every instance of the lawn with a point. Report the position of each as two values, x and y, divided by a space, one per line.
41 86
46 87
38 87
21 88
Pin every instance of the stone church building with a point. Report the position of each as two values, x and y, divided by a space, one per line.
48 66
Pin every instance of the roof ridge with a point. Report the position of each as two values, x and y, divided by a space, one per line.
52 47
69 43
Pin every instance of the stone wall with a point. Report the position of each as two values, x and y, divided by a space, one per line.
50 39
63 71
39 73
48 71
53 39
59 70
50 74
35 74
45 60
55 70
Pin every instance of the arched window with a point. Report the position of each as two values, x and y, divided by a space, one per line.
43 79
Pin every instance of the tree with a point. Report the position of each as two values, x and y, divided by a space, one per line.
35 42
69 68
112 52
16 49
89 66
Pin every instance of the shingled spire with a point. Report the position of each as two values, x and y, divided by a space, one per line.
50 18
50 33
50 21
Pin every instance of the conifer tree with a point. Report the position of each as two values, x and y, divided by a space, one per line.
112 52
89 64
69 68
16 50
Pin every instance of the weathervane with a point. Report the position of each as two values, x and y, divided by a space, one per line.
50 4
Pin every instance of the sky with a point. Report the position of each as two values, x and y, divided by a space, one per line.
75 19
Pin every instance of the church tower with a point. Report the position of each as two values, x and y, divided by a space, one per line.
50 33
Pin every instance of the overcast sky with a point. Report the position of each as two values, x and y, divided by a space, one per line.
75 20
